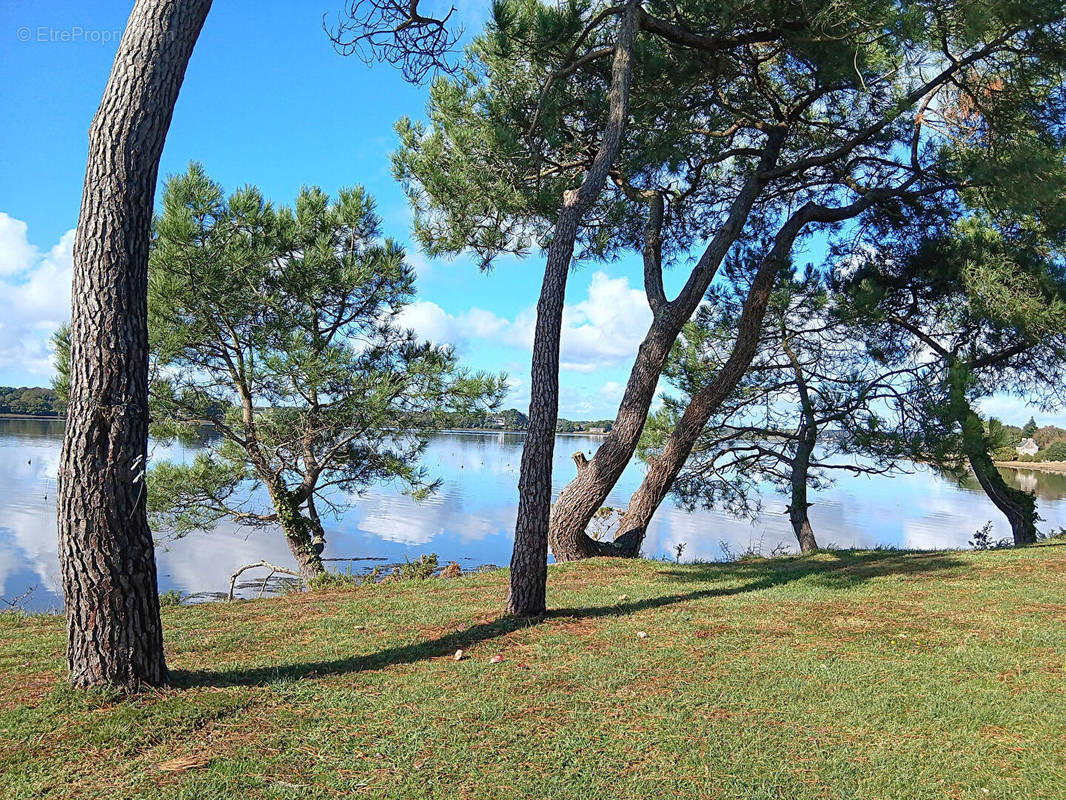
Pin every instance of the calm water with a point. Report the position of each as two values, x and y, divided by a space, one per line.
471 520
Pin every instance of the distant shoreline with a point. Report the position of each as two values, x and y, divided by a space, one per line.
1041 466
49 418
506 430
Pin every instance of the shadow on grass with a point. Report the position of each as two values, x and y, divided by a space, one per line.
834 570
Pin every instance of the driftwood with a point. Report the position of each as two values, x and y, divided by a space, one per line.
274 568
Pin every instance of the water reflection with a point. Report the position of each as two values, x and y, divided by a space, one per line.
471 519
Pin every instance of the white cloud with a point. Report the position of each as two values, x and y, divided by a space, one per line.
16 253
603 330
37 296
606 329
1017 410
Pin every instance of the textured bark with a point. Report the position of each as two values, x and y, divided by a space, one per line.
580 500
304 535
798 505
529 559
106 551
665 467
1019 507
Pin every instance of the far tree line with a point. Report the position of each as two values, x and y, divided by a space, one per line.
33 401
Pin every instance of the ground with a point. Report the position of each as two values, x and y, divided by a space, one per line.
837 675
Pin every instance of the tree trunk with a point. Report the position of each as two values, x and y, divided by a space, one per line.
664 468
529 560
1018 506
798 505
585 494
304 536
106 551
806 440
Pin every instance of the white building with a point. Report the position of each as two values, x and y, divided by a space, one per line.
1028 447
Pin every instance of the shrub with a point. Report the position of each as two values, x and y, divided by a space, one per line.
421 569
1005 453
1056 451
171 598
332 580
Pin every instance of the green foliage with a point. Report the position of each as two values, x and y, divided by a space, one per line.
966 309
424 567
1005 453
1048 434
276 328
1029 428
810 396
504 139
31 401
173 597
1056 451
327 581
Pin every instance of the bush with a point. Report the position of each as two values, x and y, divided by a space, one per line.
171 598
421 569
1005 453
1056 451
332 580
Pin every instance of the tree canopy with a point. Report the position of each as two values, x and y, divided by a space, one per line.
970 308
276 326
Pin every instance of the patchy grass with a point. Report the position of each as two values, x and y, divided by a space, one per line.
837 675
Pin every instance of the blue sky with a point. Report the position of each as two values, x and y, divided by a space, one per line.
266 100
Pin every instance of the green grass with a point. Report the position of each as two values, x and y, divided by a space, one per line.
839 675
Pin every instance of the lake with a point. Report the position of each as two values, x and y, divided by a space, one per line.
471 519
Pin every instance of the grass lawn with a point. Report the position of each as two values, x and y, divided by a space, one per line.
839 675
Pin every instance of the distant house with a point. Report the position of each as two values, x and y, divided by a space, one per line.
499 421
1028 447
597 430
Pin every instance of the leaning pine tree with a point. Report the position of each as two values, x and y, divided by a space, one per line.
277 327
114 634
811 401
968 309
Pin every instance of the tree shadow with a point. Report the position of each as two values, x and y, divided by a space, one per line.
833 570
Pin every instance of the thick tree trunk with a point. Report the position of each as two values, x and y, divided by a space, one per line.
304 535
106 552
585 494
1018 507
308 561
529 560
664 468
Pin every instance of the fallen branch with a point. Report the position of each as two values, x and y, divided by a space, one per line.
272 567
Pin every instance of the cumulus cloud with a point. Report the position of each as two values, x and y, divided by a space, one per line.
603 330
36 289
16 253
606 329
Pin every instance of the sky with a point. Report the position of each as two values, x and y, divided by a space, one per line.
267 101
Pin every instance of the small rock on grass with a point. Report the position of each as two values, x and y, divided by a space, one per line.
458 655
496 659
642 635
